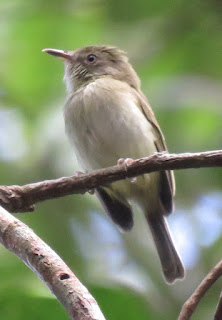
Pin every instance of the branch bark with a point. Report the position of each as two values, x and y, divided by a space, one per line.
191 304
218 314
41 259
23 198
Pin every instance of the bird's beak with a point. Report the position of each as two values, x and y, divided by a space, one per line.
64 55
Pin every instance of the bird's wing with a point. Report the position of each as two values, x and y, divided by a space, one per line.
118 210
167 182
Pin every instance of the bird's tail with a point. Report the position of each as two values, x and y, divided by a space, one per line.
171 263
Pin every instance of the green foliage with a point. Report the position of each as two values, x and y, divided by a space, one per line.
125 302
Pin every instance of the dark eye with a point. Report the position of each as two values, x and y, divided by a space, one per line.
91 58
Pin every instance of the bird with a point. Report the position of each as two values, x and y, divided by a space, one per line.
107 118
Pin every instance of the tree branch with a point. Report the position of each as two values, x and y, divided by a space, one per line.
41 259
218 314
23 198
191 304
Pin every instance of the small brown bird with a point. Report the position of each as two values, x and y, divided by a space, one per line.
107 117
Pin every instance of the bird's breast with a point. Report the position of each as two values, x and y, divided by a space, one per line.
104 124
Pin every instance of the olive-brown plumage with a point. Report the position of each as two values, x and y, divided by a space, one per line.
107 117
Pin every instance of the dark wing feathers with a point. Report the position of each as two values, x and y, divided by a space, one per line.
167 183
121 213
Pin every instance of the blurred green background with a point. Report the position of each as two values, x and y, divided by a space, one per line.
176 48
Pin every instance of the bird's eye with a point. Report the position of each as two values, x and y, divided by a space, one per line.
91 58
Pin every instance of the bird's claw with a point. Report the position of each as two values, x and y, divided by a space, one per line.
79 173
124 161
127 162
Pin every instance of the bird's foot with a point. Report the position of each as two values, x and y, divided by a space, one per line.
126 162
79 173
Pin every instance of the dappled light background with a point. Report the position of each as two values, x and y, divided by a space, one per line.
176 48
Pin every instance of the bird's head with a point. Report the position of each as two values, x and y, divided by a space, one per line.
86 64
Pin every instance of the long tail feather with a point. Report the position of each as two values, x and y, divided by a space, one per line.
170 261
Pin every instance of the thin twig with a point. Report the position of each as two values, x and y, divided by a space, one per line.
40 258
23 198
218 314
191 304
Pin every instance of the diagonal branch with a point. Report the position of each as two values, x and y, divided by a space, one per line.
218 314
191 304
23 198
40 258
